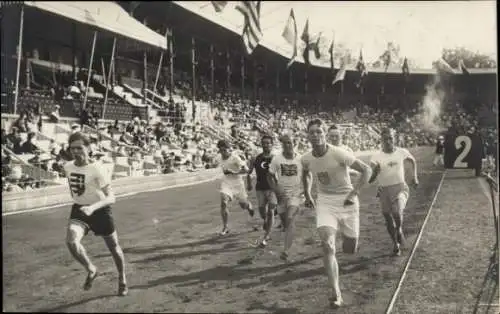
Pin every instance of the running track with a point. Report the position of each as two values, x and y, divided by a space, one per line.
176 264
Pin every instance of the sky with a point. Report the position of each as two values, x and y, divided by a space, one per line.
422 29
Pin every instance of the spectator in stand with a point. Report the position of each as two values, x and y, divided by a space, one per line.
75 128
54 148
54 116
29 147
58 166
5 140
39 161
15 138
160 132
114 129
167 163
124 138
20 123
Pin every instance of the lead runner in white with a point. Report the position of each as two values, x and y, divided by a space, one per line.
285 178
337 207
232 184
393 192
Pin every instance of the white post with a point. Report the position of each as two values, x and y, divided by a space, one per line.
89 70
19 54
103 69
108 83
158 72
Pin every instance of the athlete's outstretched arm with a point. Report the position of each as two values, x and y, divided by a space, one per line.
249 174
375 171
365 171
271 180
413 163
307 183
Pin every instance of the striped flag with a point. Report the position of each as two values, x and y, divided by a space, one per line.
252 32
341 73
462 67
219 5
291 36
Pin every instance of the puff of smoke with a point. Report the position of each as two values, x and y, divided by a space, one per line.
430 117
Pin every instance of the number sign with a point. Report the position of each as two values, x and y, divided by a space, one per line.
462 151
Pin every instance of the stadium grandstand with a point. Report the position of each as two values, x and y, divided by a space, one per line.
156 85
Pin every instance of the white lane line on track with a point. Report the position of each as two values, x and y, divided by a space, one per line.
118 196
414 249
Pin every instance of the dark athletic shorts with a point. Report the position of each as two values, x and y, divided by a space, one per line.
100 222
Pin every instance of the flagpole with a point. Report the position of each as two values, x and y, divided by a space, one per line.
305 81
212 70
255 81
19 53
193 63
73 52
228 72
171 61
277 86
89 72
103 69
242 76
145 75
109 85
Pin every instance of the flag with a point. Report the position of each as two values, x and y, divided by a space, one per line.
290 35
315 47
219 5
252 32
341 73
405 68
442 66
306 38
387 59
330 50
462 67
361 69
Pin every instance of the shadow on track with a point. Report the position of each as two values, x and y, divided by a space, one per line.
63 308
271 309
221 273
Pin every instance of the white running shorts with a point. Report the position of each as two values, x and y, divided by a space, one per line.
234 191
331 212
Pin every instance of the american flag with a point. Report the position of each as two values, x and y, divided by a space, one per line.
252 32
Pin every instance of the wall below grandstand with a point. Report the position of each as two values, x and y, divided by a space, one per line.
60 195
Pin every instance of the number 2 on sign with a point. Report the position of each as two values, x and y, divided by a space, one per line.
459 162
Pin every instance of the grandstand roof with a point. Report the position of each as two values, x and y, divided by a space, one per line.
205 10
105 15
